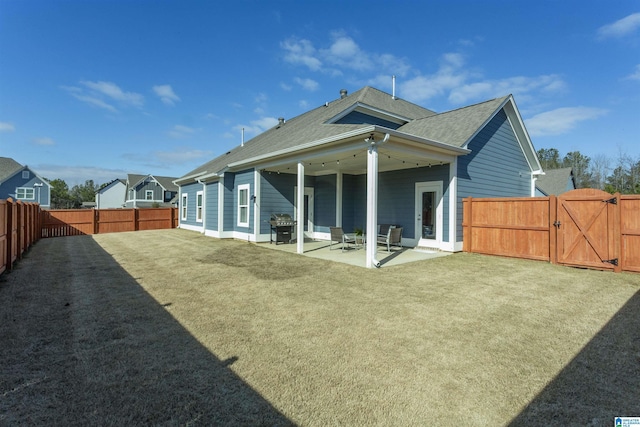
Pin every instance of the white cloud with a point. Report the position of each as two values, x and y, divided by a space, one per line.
519 86
635 75
620 28
7 127
95 102
286 87
43 141
343 52
301 52
180 131
258 126
307 84
561 120
166 94
113 91
448 77
181 156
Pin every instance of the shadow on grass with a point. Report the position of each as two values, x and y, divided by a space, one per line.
600 383
85 344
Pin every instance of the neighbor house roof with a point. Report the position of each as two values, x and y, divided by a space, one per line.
555 181
165 181
8 168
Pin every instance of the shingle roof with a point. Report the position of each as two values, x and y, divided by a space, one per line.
8 167
164 181
554 181
312 126
454 127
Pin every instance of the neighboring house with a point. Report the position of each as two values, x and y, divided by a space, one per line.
145 191
555 182
112 195
361 160
22 183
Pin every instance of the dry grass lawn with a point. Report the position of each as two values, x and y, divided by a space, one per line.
172 328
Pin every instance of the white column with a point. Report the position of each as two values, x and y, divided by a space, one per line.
256 204
453 203
372 205
220 206
339 199
300 209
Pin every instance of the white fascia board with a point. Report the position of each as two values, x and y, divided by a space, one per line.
302 147
372 111
208 177
186 179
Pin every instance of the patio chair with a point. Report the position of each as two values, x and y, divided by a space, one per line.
392 238
338 235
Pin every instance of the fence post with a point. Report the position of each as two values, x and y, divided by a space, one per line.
95 219
617 233
467 244
136 218
10 237
553 230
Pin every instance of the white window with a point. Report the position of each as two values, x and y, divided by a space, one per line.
148 195
199 206
184 207
23 193
243 205
25 174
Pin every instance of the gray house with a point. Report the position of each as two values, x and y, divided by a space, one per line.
112 195
145 191
555 182
364 159
23 183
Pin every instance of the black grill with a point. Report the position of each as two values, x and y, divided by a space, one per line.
283 225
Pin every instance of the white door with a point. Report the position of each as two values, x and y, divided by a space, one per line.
428 211
308 210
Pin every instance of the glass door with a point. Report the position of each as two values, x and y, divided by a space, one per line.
428 228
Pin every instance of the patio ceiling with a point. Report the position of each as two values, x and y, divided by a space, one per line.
351 157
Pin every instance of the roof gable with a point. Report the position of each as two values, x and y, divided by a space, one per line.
314 125
556 181
8 168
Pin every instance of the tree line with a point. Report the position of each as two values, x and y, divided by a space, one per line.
63 197
621 175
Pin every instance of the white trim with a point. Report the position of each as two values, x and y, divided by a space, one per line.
33 193
256 201
339 189
243 188
200 209
430 186
370 111
300 212
184 206
191 227
220 207
453 202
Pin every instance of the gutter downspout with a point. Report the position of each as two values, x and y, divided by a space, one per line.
372 200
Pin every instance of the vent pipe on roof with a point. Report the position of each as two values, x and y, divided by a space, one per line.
280 121
393 87
242 142
343 93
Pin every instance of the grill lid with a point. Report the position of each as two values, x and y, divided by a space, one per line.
281 219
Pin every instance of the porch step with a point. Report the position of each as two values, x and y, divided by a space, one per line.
426 249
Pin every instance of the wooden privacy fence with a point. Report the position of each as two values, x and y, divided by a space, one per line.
583 228
19 229
22 224
58 223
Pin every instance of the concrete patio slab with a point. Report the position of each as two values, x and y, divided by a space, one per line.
356 255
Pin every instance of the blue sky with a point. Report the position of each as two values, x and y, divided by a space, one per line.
98 89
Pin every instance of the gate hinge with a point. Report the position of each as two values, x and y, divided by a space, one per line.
613 261
612 200
557 223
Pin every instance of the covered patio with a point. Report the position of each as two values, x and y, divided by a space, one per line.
356 255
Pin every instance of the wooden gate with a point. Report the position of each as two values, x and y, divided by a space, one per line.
586 223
